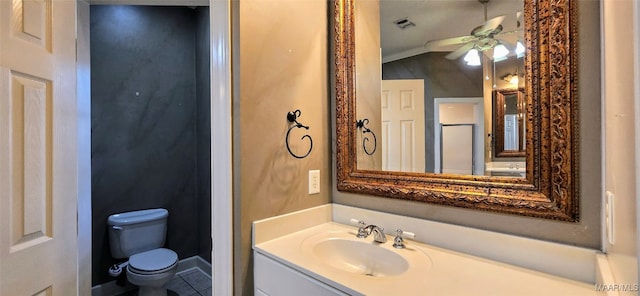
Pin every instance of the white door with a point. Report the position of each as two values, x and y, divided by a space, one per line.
38 148
402 143
511 132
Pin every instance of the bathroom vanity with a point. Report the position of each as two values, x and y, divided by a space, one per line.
316 252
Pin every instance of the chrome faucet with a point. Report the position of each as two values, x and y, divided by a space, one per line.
378 233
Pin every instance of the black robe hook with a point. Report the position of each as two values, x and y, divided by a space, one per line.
292 117
365 139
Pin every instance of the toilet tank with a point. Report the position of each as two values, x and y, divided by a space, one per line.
137 231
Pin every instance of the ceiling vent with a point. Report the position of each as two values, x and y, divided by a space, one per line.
404 23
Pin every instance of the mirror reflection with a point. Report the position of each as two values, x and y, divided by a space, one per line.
510 120
509 117
428 77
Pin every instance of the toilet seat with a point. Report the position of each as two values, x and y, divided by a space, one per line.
153 261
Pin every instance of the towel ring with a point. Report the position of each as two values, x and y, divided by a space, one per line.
292 117
361 124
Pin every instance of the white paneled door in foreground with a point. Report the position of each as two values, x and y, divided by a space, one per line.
38 148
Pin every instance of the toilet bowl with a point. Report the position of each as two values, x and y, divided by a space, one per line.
151 270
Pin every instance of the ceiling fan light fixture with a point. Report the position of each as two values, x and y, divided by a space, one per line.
511 78
472 57
519 49
500 52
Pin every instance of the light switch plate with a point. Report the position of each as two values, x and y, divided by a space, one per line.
609 209
314 181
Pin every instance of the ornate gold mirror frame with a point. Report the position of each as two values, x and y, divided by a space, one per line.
550 189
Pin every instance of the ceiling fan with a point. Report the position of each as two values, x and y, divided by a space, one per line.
481 39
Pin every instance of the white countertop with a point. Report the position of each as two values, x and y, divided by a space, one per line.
432 270
505 167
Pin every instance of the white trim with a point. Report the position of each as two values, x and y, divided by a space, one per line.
603 136
405 54
604 274
410 52
636 74
478 133
83 78
221 153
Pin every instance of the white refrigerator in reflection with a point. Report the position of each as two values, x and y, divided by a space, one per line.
457 149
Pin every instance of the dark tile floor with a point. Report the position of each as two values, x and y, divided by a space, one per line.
191 282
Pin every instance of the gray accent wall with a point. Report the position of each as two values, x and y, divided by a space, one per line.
443 78
147 115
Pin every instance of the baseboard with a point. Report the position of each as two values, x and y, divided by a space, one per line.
111 288
194 262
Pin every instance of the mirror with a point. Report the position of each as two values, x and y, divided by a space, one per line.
548 188
429 101
508 123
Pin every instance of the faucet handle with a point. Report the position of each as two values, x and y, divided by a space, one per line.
398 242
362 231
406 234
358 222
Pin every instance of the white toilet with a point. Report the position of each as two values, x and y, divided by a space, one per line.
139 236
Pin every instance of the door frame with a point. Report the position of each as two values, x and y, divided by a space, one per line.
478 148
83 86
221 140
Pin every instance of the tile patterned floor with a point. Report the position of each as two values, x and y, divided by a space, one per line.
191 282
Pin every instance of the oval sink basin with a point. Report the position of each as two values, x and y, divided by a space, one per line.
360 257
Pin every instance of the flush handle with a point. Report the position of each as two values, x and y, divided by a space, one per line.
117 227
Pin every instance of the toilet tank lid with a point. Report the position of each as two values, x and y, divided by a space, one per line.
137 217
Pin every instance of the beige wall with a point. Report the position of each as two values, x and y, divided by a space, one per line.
620 147
487 94
368 80
586 233
280 64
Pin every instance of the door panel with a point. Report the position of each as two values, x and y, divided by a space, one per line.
407 146
38 148
31 163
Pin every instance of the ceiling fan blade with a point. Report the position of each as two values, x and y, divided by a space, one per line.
509 32
510 37
449 41
489 25
460 51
